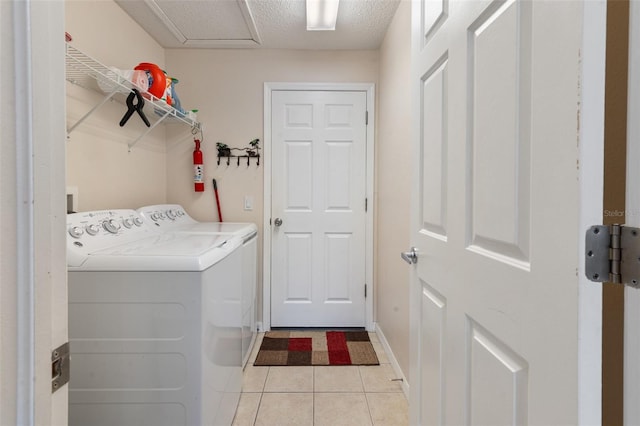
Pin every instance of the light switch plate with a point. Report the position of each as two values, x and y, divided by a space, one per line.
248 202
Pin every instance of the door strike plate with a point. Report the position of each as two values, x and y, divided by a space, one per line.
612 254
59 367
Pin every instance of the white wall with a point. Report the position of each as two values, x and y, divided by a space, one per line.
99 163
393 183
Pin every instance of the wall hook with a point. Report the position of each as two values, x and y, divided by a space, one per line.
252 151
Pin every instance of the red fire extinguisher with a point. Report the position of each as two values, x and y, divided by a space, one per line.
198 168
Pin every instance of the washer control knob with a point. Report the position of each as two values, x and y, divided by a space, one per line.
171 214
161 215
137 221
92 229
154 217
111 226
76 231
128 223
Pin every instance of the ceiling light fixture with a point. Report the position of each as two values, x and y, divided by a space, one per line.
322 15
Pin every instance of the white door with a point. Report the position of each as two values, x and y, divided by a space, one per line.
318 162
495 288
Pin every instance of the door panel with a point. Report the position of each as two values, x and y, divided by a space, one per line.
434 149
499 132
318 187
299 179
495 212
339 158
498 380
433 315
299 266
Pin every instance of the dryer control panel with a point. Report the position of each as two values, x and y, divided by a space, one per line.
167 216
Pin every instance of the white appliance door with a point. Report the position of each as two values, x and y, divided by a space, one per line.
494 293
318 208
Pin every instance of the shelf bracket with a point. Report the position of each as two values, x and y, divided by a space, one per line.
91 111
131 145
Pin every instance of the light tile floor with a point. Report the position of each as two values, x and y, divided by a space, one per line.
319 396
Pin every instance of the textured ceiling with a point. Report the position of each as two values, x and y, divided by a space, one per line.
274 24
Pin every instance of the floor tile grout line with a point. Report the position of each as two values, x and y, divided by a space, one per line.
313 396
255 417
369 410
365 396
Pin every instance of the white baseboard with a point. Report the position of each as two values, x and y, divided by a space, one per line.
392 360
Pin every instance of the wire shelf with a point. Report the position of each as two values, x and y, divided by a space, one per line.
86 72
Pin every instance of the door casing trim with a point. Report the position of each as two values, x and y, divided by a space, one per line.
369 88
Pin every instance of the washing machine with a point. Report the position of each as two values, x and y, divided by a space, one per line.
174 218
155 323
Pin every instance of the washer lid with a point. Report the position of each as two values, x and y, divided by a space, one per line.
164 252
221 228
167 244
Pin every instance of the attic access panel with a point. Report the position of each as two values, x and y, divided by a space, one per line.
195 23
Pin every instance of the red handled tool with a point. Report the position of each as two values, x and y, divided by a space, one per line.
215 190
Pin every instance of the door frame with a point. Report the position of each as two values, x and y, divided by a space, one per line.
269 87
631 388
591 175
33 206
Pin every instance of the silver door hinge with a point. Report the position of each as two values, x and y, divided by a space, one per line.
59 367
366 204
366 118
612 254
365 291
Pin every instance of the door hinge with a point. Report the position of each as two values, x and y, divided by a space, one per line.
612 254
60 367
366 204
365 291
366 118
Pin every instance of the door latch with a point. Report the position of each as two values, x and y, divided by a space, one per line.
612 254
59 367
411 257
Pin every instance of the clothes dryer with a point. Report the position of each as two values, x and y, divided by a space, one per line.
155 323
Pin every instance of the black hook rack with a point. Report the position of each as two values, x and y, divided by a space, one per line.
238 157
252 151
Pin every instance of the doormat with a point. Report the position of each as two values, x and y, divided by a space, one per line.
316 348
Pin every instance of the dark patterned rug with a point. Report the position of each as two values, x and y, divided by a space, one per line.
316 348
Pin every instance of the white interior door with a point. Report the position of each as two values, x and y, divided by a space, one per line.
494 294
318 208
